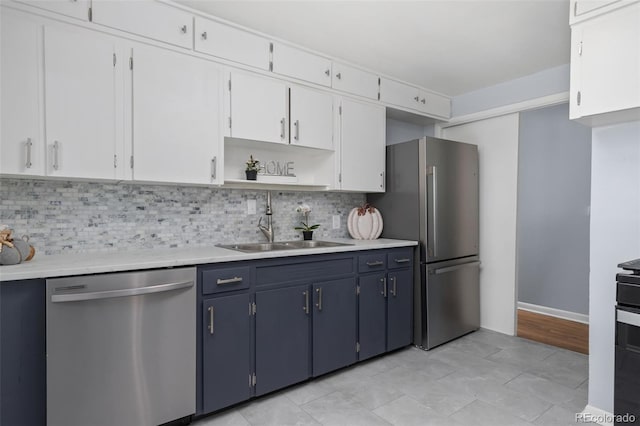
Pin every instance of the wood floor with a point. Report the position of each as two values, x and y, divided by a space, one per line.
554 331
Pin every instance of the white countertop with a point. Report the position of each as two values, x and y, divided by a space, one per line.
93 263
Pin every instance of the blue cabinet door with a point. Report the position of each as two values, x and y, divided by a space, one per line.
226 346
372 321
23 362
399 309
334 325
282 337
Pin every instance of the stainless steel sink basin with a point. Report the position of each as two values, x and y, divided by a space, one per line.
284 245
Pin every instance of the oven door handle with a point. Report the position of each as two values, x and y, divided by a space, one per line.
627 317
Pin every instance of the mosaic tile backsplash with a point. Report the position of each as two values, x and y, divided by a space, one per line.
75 217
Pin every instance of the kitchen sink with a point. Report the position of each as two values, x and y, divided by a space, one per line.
281 245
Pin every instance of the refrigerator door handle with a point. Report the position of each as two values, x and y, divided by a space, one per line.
453 268
433 172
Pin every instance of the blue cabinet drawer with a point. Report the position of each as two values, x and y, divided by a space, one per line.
309 269
225 279
372 262
400 258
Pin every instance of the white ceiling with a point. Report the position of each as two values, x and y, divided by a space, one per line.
450 46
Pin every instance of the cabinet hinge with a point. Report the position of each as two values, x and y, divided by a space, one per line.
229 84
579 98
253 380
378 88
115 161
270 47
229 121
252 308
131 62
131 162
340 110
575 8
114 59
270 56
270 65
580 49
340 177
358 347
90 12
250 380
357 289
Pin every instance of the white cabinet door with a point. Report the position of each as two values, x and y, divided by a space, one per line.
354 81
311 118
74 8
80 103
259 108
606 63
395 93
362 146
176 117
434 104
21 146
297 63
147 18
227 42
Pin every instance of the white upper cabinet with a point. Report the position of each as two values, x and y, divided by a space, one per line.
355 81
74 8
311 118
406 96
605 67
81 105
226 42
21 146
147 18
300 64
362 146
259 108
176 118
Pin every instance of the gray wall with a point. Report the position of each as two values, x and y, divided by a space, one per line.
400 131
554 175
74 217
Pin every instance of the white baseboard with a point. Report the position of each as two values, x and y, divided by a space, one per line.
558 313
593 414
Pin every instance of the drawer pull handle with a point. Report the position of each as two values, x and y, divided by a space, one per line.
183 29
229 280
376 263
404 260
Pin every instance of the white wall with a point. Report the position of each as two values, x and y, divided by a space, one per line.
615 237
400 131
497 140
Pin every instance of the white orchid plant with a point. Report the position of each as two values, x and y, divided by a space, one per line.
305 210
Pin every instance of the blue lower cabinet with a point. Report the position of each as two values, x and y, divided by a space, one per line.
282 337
226 348
399 309
334 325
23 362
372 321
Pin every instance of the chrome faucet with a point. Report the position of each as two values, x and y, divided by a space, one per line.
267 230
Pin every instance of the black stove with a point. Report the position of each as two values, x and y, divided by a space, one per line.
627 367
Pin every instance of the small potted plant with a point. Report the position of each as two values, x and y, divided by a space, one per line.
307 230
252 168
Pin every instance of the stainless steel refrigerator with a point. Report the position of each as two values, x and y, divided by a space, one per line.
432 196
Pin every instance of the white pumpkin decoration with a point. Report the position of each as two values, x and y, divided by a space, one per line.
364 223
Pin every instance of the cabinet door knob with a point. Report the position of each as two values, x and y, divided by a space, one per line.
339 76
328 72
423 100
417 98
183 29
204 35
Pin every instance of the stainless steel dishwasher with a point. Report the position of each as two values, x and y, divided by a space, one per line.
121 348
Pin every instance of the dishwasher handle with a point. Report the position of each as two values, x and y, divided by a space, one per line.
109 294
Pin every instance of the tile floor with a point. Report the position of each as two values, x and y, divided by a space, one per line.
484 378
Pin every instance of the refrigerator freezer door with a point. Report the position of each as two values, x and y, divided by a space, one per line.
452 294
450 200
